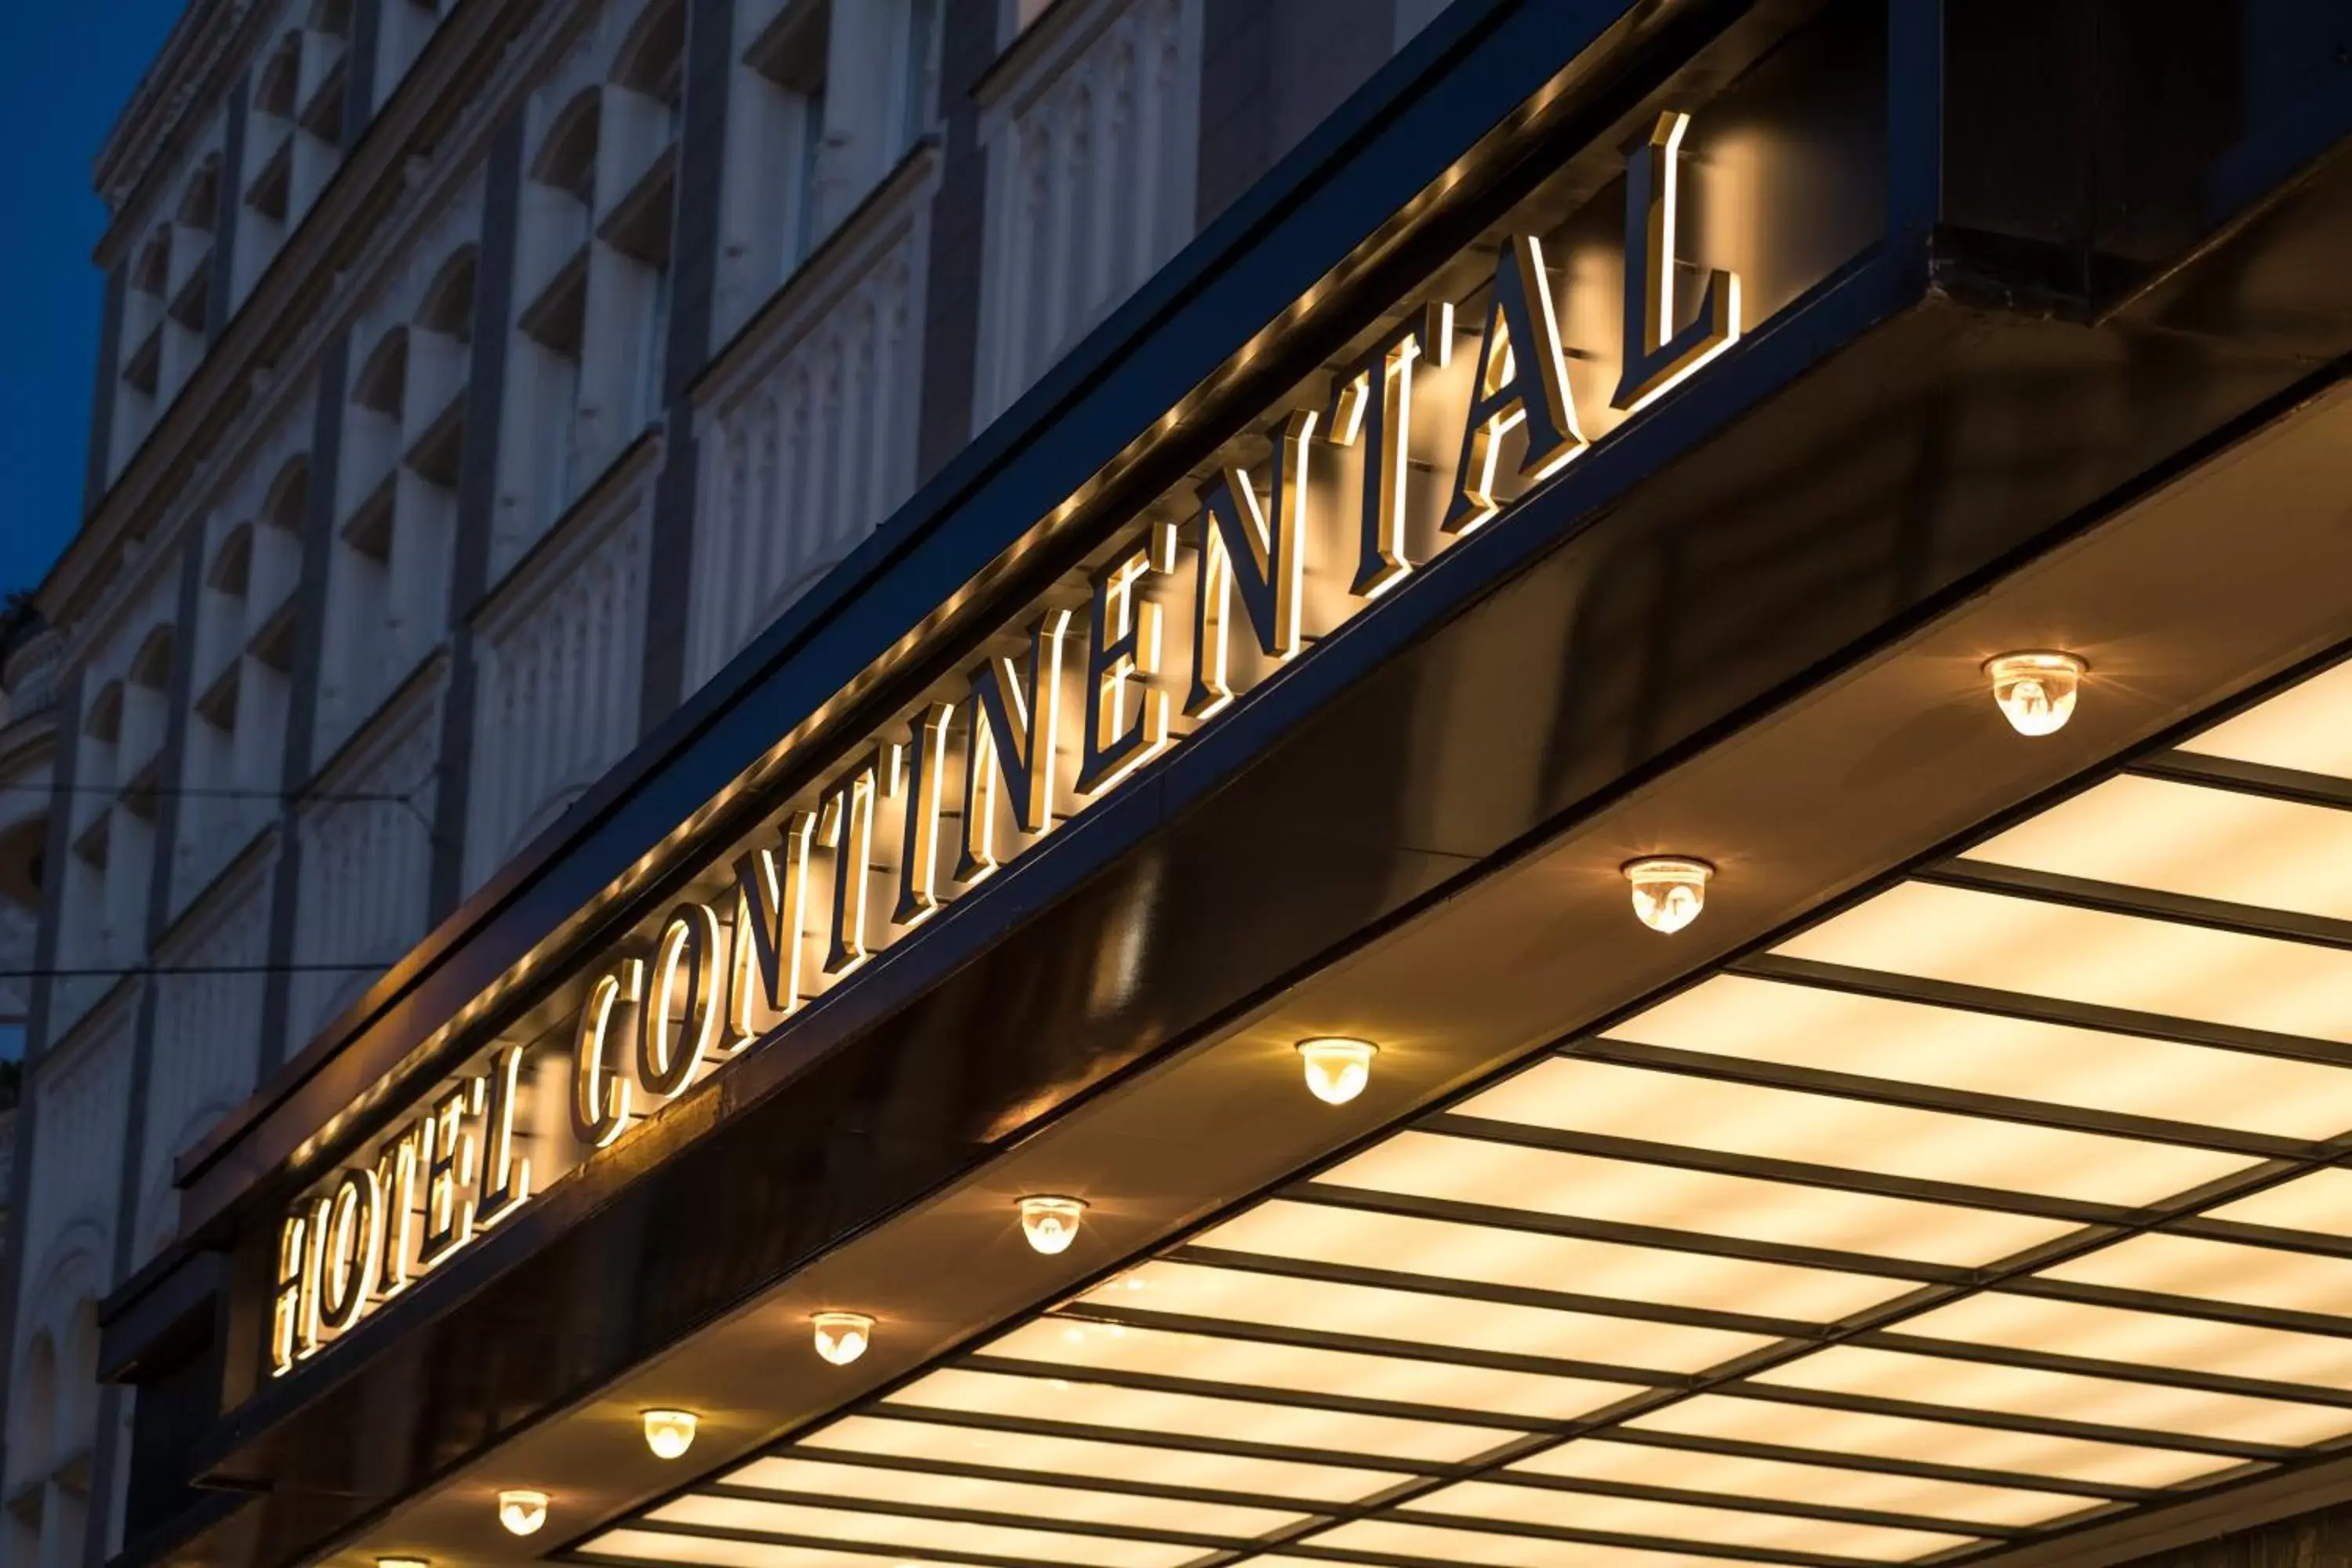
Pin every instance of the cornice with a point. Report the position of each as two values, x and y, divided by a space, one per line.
185 73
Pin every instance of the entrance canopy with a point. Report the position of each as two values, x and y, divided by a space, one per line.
2000 1202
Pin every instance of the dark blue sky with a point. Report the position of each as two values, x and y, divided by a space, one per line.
67 71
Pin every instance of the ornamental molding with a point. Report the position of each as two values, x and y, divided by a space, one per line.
86 588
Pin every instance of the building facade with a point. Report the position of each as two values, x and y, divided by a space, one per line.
1148 782
476 380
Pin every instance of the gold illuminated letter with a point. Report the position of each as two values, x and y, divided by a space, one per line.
505 1176
677 1025
449 1169
286 1313
1243 549
308 1339
351 1236
600 1091
1122 655
395 1179
1657 356
1014 717
847 828
770 914
1372 401
917 769
1522 379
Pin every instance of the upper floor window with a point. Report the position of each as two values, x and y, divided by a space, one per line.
404 447
294 136
541 464
116 794
594 277
243 653
826 98
642 112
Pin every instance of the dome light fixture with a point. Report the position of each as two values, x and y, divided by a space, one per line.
1051 1224
669 1433
1336 1069
522 1511
1669 891
2036 689
842 1337
401 1562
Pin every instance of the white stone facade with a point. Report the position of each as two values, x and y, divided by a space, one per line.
322 661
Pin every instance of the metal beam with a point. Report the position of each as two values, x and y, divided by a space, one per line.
2247 778
2140 903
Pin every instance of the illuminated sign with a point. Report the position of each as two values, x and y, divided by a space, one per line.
1425 437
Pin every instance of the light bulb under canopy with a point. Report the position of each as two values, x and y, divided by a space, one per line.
522 1510
1336 1069
842 1337
402 1563
1051 1224
1669 891
2036 690
669 1433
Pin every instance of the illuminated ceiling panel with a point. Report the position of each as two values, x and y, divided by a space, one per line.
2001 1200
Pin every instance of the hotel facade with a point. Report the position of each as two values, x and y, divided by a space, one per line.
1156 783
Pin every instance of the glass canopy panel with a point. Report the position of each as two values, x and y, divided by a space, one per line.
900 1531
1728 1526
2141 1339
1895 1141
719 1551
2092 957
2307 727
2206 843
2023 1454
1245 1364
1041 1454
1417 1318
1113 1410
1982 1053
1436 1544
2151 1407
814 1478
1445 1251
1547 1555
2320 1203
1963 1503
2191 1266
1505 1175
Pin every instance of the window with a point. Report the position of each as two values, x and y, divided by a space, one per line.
786 102
648 82
541 472
244 640
826 102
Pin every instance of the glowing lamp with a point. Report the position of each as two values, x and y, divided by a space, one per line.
2036 690
1668 890
522 1512
1336 1069
1051 1224
842 1337
669 1433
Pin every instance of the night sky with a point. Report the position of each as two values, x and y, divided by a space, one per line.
67 71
